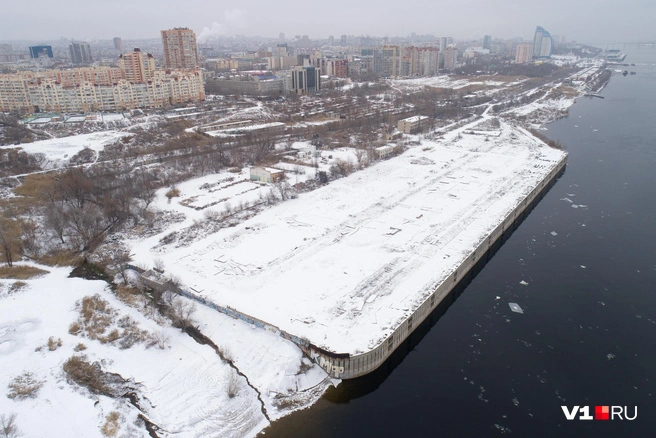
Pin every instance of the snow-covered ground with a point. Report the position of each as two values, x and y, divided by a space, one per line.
443 81
182 387
56 152
344 264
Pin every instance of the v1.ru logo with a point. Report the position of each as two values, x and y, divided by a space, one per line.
601 413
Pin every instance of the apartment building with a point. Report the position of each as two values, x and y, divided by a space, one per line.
396 61
102 90
137 66
450 58
180 51
524 53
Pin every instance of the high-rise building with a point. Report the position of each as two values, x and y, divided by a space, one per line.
542 44
450 58
80 53
137 67
524 53
394 61
180 51
343 40
487 42
331 40
444 43
118 44
306 80
40 52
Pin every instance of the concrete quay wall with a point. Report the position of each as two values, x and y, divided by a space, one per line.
344 366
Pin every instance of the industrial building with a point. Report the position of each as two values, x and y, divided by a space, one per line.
266 174
250 85
412 125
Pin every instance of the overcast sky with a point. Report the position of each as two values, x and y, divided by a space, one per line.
581 20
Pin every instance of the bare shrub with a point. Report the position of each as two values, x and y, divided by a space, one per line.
85 374
17 286
233 383
8 428
24 386
112 425
212 215
159 339
182 312
54 343
129 295
80 347
99 321
158 265
225 353
173 192
75 328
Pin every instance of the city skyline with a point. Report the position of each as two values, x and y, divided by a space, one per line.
588 22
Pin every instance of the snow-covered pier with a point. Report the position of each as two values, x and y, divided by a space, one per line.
349 270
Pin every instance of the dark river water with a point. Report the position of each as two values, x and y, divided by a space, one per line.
588 333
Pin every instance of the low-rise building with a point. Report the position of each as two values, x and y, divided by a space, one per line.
383 152
266 174
412 125
246 84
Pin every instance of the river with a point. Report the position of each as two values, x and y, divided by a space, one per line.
587 336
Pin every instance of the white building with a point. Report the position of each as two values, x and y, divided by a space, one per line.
413 124
266 174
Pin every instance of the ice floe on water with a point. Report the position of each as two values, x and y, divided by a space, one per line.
515 308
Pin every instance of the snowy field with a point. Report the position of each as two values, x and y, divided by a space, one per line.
182 386
57 151
444 81
344 264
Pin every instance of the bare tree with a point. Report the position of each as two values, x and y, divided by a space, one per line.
362 157
56 219
145 188
182 312
117 260
9 240
8 427
30 239
284 189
